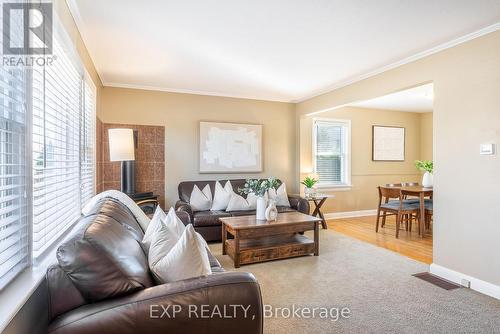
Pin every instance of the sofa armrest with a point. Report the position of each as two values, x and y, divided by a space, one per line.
299 203
182 206
198 305
184 217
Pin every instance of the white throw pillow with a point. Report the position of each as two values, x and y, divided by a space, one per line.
159 218
222 196
238 203
188 258
279 196
175 222
201 200
177 226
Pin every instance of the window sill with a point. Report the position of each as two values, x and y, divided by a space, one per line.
17 293
334 187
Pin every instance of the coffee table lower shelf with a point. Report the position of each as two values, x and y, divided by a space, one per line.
270 248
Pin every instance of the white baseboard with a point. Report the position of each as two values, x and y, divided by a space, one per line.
484 287
350 214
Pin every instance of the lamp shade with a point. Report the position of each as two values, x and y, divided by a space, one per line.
121 144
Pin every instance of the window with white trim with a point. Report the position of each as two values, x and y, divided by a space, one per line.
14 140
331 152
87 142
47 153
57 92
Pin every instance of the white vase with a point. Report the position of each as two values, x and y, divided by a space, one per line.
261 208
271 211
309 191
427 180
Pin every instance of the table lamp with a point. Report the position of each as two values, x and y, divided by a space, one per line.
121 148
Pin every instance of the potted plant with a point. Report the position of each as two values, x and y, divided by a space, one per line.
428 167
309 183
259 188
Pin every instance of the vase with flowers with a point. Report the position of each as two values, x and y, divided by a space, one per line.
426 166
259 188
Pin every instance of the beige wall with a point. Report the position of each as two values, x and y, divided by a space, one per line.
181 114
367 174
466 113
426 136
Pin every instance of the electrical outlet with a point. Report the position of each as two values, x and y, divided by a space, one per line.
465 283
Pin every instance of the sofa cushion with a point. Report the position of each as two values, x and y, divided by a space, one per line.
282 209
115 209
141 218
209 218
103 259
242 213
63 295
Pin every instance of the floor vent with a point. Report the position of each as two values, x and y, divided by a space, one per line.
437 281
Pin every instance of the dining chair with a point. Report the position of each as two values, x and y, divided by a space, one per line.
392 203
393 185
410 184
429 213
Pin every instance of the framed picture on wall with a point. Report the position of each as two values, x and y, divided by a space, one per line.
388 143
230 148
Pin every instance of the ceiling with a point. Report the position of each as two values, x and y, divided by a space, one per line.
416 99
277 50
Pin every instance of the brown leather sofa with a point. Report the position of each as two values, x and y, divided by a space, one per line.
207 222
102 284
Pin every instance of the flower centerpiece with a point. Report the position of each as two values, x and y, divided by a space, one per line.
428 167
259 188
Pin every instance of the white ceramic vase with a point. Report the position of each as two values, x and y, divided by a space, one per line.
271 211
309 191
427 180
261 208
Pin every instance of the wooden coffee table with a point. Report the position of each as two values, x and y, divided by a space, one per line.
259 240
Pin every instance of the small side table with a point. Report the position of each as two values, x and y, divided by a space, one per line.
319 200
146 201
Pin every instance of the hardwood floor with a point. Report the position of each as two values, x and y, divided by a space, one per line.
409 243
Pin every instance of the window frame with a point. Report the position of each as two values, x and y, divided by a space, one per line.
346 147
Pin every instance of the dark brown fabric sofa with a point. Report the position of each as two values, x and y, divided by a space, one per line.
207 222
102 284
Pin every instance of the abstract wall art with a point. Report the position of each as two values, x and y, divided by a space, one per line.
230 148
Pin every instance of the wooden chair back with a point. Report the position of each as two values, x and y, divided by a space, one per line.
386 193
410 184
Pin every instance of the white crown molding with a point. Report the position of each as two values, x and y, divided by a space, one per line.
350 214
189 91
73 7
420 55
481 286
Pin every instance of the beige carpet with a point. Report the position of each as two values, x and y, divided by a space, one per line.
375 284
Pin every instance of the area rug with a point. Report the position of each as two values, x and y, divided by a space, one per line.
375 285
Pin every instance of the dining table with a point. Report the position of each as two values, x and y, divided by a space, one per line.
421 192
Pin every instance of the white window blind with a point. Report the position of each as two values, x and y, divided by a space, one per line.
87 139
330 152
14 223
57 108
